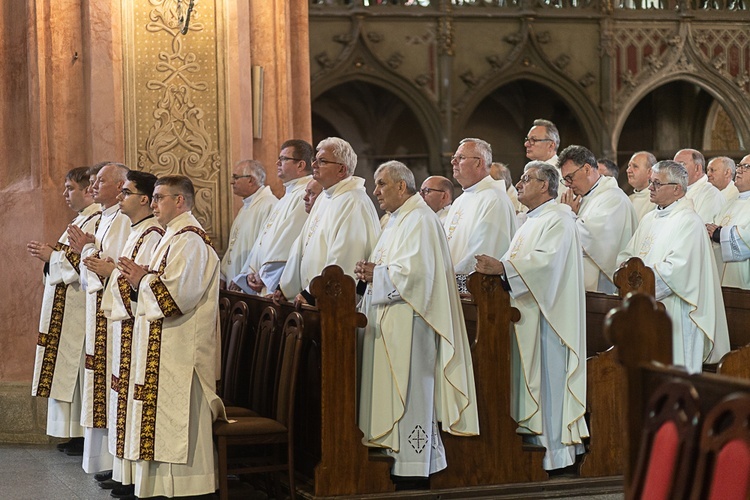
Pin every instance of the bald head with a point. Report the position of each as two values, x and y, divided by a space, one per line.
694 163
720 171
108 183
437 192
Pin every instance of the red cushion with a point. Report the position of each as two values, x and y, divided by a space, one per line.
731 472
661 463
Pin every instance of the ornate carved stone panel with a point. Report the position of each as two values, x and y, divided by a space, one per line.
640 50
728 51
174 94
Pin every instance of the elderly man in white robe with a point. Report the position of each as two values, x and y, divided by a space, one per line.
263 267
58 368
248 182
106 243
604 216
482 220
437 192
707 200
639 172
175 353
730 233
672 241
543 272
342 227
119 306
542 143
720 172
415 333
501 172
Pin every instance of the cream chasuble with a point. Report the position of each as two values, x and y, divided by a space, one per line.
245 230
606 221
120 310
674 243
413 252
544 267
641 201
513 195
443 214
707 200
175 344
342 229
730 192
271 250
61 334
481 221
111 235
731 253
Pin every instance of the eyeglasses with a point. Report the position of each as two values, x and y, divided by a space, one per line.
525 179
743 166
237 177
534 140
322 162
658 184
426 191
127 192
460 158
158 197
569 178
282 159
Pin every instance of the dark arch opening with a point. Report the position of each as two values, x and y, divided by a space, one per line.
504 117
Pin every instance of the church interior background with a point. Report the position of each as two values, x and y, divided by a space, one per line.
92 80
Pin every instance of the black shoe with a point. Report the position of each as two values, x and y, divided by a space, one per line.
75 447
103 476
72 443
109 484
123 491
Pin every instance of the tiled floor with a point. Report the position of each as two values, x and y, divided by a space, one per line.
40 472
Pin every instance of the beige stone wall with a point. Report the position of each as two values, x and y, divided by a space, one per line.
89 80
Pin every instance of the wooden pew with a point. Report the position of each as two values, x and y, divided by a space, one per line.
736 363
642 335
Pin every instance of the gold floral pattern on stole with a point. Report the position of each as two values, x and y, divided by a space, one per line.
148 392
100 366
51 340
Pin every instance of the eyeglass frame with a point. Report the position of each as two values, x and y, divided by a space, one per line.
460 158
283 158
742 166
568 179
658 184
525 179
125 192
157 197
426 191
323 162
534 140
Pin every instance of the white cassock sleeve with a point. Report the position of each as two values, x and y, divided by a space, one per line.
517 285
733 247
383 290
662 289
61 270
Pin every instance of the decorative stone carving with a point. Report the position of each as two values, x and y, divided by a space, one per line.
628 79
395 60
684 64
727 50
495 61
544 37
374 37
654 62
513 38
562 61
719 62
469 79
587 80
343 38
324 60
423 80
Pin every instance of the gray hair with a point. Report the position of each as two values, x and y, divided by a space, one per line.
342 152
505 172
484 148
547 173
578 155
697 157
650 158
398 172
551 128
727 163
254 168
676 172
120 174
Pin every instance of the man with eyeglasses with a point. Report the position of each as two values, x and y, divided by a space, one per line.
174 353
501 172
542 143
639 172
707 200
482 220
58 368
672 241
248 182
437 192
415 336
720 173
119 306
342 227
604 216
730 232
265 263
106 243
543 273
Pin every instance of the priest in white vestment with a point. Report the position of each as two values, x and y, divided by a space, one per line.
501 172
437 192
175 353
119 306
730 233
416 363
720 173
639 172
672 241
604 216
265 263
58 367
342 227
707 200
541 144
248 182
482 220
106 243
543 272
